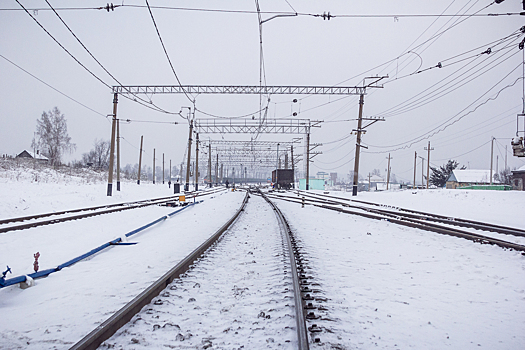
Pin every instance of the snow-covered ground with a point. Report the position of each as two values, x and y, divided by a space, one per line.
67 305
392 286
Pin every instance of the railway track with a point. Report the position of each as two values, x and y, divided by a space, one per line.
241 289
25 222
415 219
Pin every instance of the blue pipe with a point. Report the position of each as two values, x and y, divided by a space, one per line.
118 241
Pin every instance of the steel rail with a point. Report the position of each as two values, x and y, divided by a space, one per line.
116 208
429 216
302 335
420 224
105 330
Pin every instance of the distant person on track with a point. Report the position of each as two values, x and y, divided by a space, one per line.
227 184
169 184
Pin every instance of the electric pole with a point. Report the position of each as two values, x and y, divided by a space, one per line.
187 186
210 184
169 181
369 184
415 163
491 157
360 129
217 170
422 171
154 166
112 148
388 172
428 161
163 168
118 156
293 168
140 158
196 175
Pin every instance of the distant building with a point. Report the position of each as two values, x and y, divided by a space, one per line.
322 175
333 178
518 179
38 157
467 177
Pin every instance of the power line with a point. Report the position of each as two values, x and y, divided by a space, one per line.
166 52
433 132
100 64
197 9
60 92
62 46
435 94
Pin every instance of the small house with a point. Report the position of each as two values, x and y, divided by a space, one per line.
518 179
38 157
468 177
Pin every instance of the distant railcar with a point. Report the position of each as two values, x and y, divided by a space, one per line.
282 178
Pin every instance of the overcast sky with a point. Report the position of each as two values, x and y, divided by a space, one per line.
222 48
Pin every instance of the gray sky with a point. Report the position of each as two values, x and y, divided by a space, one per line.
218 48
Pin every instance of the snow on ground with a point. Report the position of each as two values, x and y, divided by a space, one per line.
67 305
393 287
496 207
21 195
237 296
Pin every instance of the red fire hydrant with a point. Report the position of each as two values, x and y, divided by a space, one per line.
35 264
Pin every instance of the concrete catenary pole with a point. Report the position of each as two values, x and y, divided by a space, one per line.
217 171
415 163
112 147
154 166
140 158
358 145
118 155
491 158
187 185
308 160
293 168
388 172
163 168
210 183
196 175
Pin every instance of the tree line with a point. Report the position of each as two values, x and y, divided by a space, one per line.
52 138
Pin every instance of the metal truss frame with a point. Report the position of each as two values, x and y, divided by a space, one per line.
269 126
239 89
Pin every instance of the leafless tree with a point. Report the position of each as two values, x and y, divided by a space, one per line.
99 155
51 136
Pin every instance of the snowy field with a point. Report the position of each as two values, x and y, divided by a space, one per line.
387 286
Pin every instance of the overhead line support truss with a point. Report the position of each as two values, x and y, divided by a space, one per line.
239 89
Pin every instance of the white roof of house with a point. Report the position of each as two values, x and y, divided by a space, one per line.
376 178
470 176
38 156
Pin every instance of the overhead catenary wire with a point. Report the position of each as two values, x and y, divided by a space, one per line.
442 91
48 85
444 125
100 64
248 12
166 53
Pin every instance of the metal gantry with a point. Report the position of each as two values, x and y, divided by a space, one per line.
238 89
247 126
209 126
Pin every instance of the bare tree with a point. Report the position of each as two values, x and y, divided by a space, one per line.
99 155
51 136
